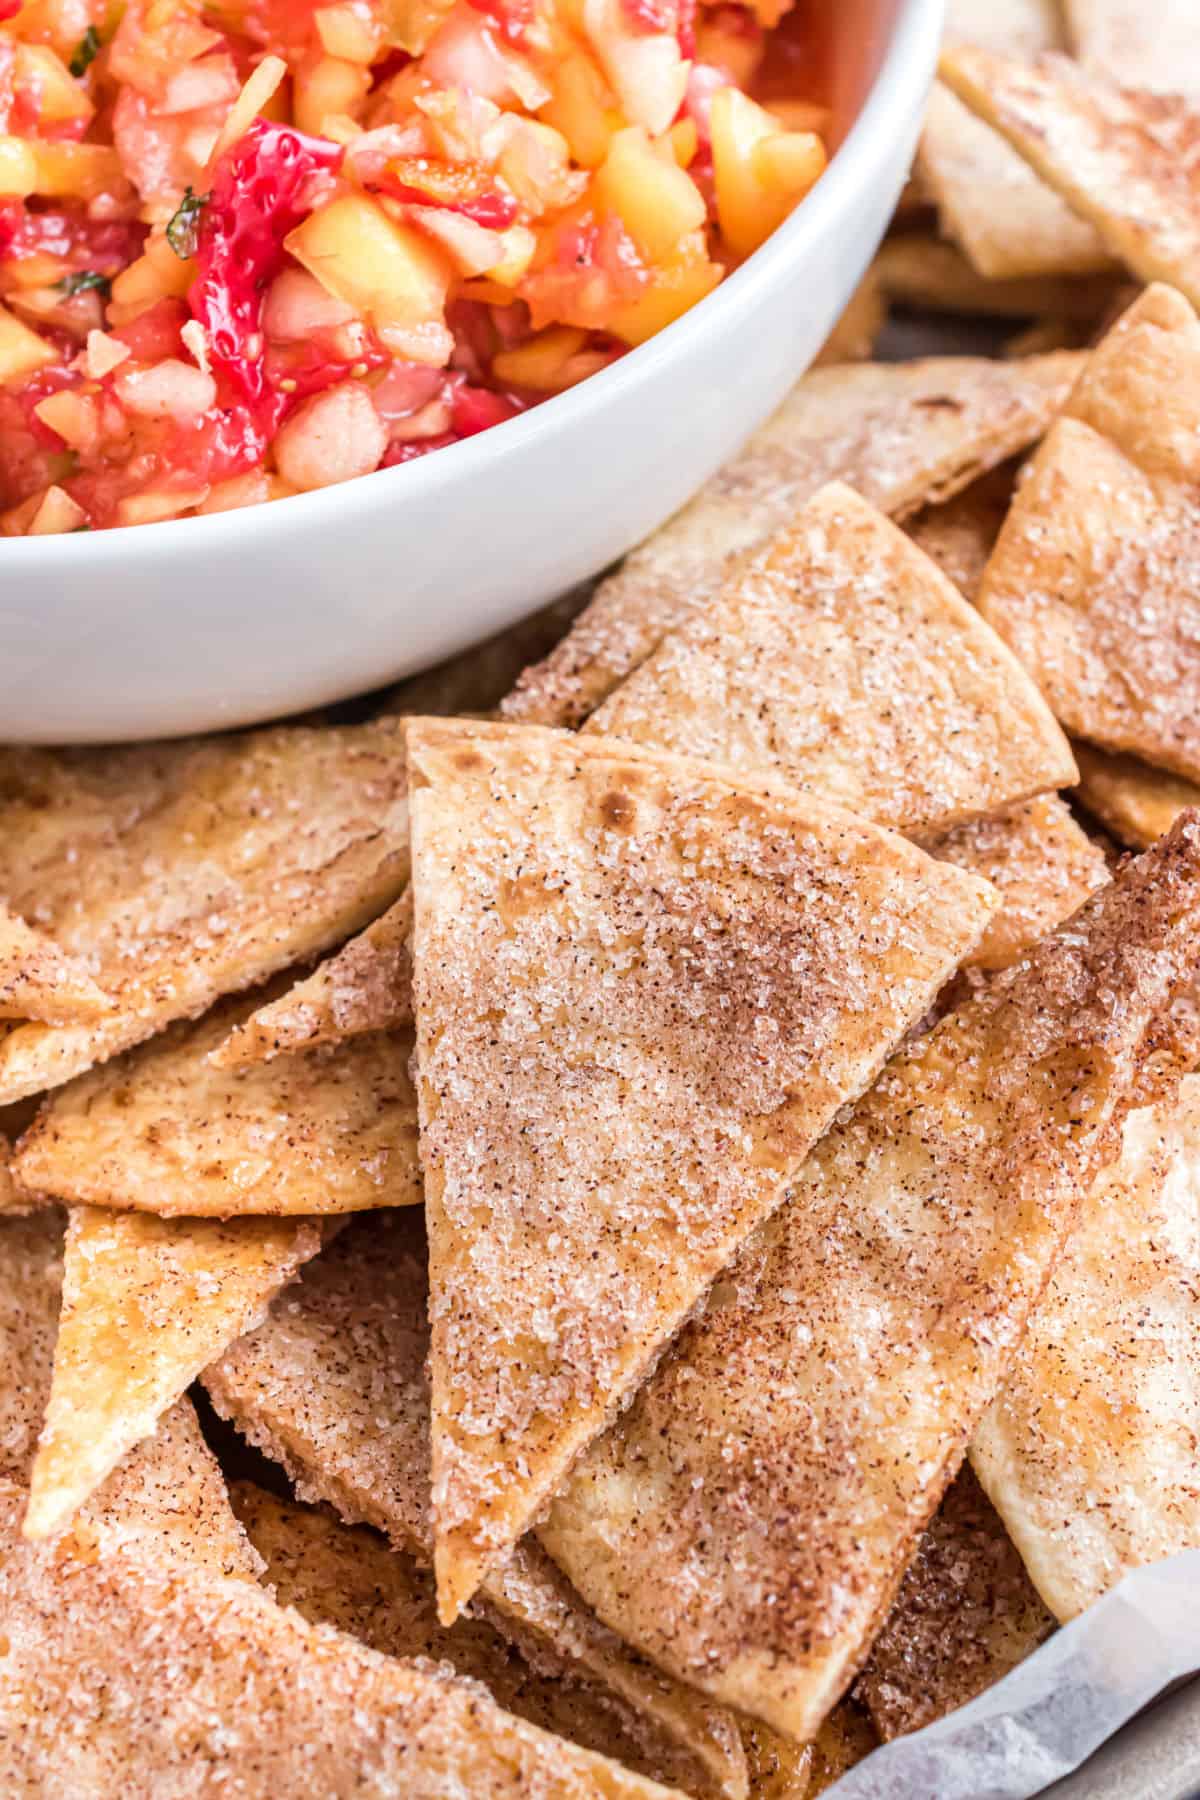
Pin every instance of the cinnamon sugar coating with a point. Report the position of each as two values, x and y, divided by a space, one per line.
755 1547
38 980
1129 798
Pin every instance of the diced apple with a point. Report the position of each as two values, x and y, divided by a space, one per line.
646 68
73 416
673 290
756 185
77 171
329 85
412 24
582 109
684 139
389 273
657 201
157 274
540 363
21 350
56 515
18 168
46 78
152 507
349 30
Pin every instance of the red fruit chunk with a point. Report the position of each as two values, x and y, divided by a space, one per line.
106 245
475 409
512 17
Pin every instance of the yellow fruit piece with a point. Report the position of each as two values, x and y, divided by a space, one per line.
72 416
56 514
539 364
684 140
18 168
673 290
41 73
329 86
77 171
387 272
657 201
411 24
349 32
582 109
158 274
756 188
21 350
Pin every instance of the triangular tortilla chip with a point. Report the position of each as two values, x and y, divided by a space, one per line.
965 1615
1039 861
164 1130
1125 161
168 1498
334 1386
38 980
903 435
185 871
748 1520
853 337
960 535
844 661
13 1197
643 987
335 1574
367 986
120 1674
1142 46
1009 224
147 1304
1129 798
920 270
1093 579
1089 1453
476 680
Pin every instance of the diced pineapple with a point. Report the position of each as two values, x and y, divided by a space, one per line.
73 416
330 85
259 90
582 109
21 350
77 171
349 31
673 290
684 139
412 24
520 246
756 185
153 506
56 514
18 168
387 272
158 274
657 201
46 78
539 364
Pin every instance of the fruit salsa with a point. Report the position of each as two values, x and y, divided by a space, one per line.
250 248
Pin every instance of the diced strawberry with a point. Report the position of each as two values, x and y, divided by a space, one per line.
475 409
106 245
512 17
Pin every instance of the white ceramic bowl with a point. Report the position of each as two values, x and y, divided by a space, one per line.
199 623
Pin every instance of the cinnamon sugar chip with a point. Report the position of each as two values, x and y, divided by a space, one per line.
1094 580
753 1544
477 679
13 1197
123 1674
339 1575
180 872
903 435
843 660
1009 224
920 270
334 1386
168 1497
643 987
164 1130
965 1615
960 535
1089 1453
38 980
1039 861
1141 46
1126 161
147 1304
853 337
367 986
1129 798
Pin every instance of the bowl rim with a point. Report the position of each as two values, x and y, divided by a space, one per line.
898 85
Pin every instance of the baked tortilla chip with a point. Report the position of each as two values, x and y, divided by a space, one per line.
1141 46
903 435
168 1497
334 1386
965 1615
601 935
755 1548
477 679
181 872
845 662
853 337
1129 798
38 980
165 1130
1128 162
367 986
1041 864
335 1574
121 1674
1089 1453
1093 581
960 535
147 1304
1010 225
13 1197
928 273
